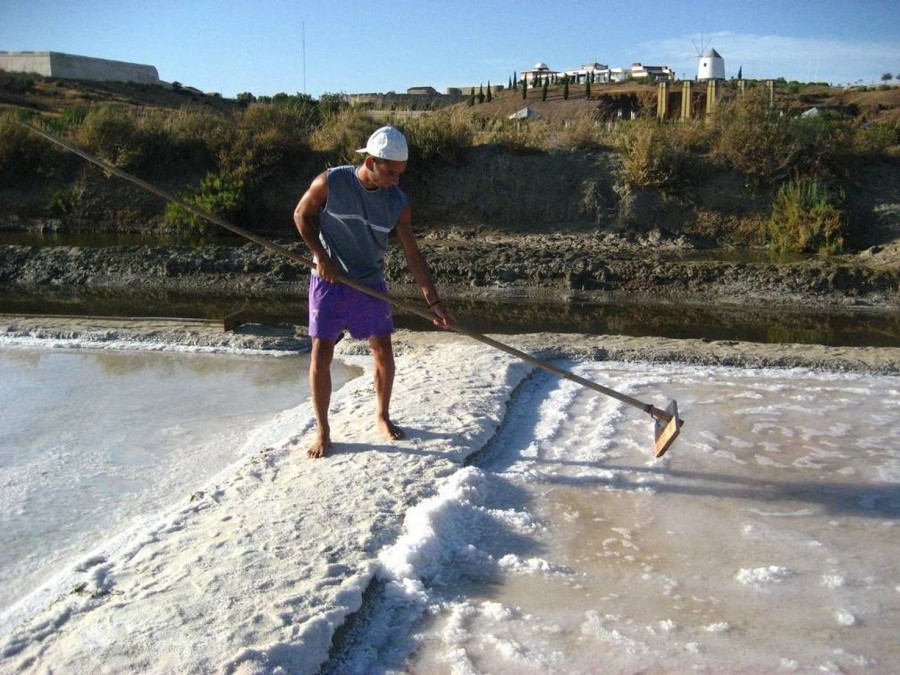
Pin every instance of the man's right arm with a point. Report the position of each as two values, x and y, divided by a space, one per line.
306 219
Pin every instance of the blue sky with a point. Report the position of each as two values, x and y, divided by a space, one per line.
271 46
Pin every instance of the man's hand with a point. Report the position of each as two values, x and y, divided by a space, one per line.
442 318
326 269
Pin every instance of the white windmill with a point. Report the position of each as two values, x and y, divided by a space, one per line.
710 64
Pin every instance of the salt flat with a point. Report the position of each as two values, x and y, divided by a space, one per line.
263 568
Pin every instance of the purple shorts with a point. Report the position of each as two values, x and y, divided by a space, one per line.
334 308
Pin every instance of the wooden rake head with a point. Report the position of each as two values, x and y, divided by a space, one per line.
667 427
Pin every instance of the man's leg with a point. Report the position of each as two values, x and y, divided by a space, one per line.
320 388
383 356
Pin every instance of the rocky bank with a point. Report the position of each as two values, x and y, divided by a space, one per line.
471 264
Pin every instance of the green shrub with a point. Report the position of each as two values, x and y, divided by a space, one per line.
877 139
154 142
748 138
111 134
584 133
444 136
652 155
806 218
266 138
66 201
341 134
22 153
695 135
768 148
220 195
518 136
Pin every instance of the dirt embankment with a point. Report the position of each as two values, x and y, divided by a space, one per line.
554 225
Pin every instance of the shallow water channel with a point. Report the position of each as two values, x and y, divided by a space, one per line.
506 315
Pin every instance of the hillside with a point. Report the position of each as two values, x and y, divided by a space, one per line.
54 96
495 188
869 104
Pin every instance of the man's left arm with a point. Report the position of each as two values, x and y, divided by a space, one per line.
419 268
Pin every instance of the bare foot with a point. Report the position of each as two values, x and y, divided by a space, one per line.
390 430
320 447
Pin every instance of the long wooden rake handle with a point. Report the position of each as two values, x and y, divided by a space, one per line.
667 422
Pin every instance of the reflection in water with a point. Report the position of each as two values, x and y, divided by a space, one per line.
765 325
258 371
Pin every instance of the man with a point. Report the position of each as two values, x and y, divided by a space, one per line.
345 218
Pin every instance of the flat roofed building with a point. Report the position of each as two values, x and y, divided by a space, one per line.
73 67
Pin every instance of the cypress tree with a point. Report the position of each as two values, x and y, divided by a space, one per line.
514 82
524 87
544 90
566 88
489 97
587 88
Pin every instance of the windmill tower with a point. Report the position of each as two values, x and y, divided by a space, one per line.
711 70
710 64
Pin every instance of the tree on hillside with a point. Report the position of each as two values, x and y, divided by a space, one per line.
332 103
489 97
544 90
587 88
524 88
515 77
480 93
566 88
886 77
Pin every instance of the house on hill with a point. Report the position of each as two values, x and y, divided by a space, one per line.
589 72
539 73
652 73
599 73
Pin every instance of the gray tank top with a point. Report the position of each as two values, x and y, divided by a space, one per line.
355 224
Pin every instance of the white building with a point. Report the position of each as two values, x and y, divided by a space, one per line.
653 73
593 72
619 74
599 73
540 72
74 67
710 66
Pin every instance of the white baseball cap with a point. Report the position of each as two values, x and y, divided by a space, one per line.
387 143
